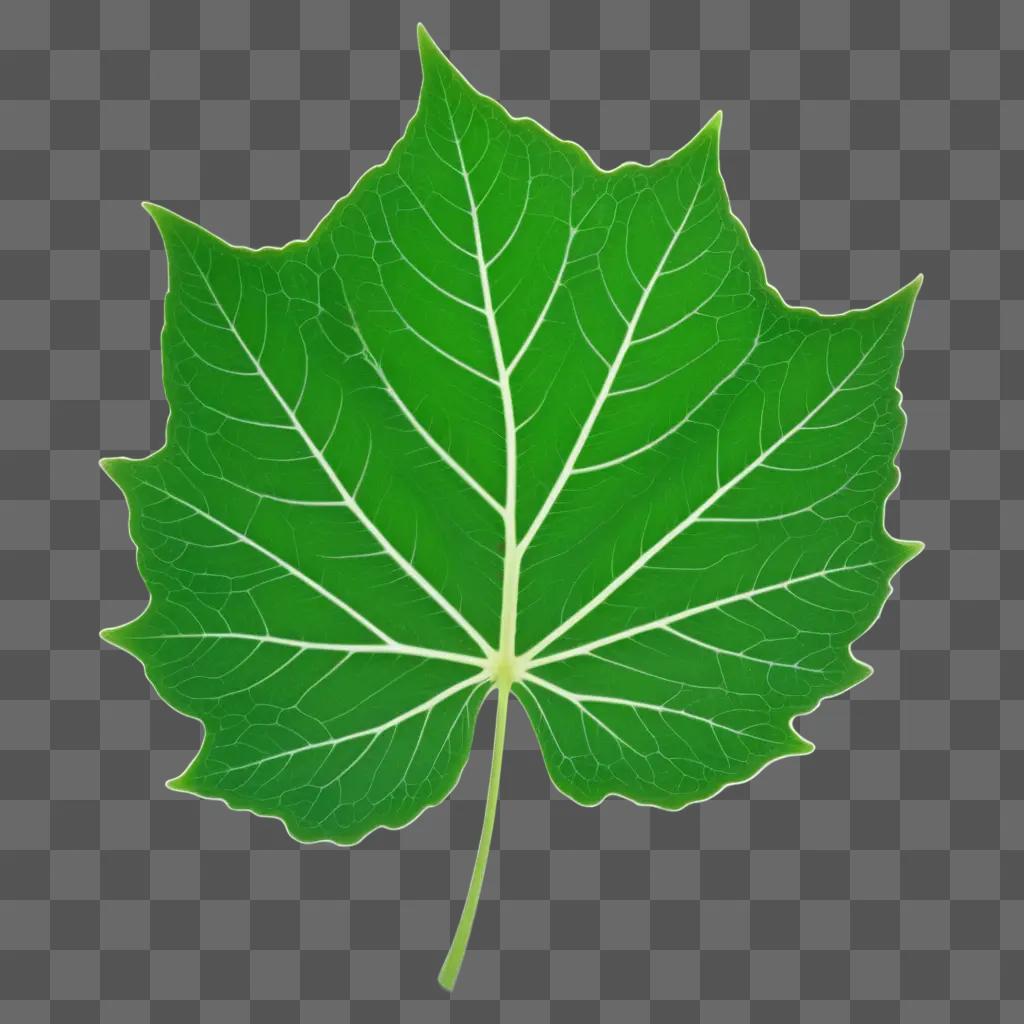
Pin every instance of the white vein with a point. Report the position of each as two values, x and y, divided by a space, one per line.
278 560
609 381
581 700
668 620
353 506
376 730
411 650
638 564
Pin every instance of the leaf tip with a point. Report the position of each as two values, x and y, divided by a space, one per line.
111 635
910 549
430 52
109 466
912 287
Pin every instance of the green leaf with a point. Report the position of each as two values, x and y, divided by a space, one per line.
506 423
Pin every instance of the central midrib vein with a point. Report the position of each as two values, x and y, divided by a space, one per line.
504 659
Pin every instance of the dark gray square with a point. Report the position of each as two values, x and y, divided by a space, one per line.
223 172
525 74
174 24
576 924
824 974
24 874
24 74
725 874
124 774
625 874
74 824
774 924
75 924
274 221
825 74
525 974
974 924
824 275
974 724
924 775
376 26
324 875
124 74
119 578
974 24
174 824
772 26
174 924
24 475
174 124
874 25
124 174
74 725
74 625
974 124
573 25
825 874
924 874
927 577
724 974
675 24
924 174
323 974
74 525
323 174
675 924
974 824
924 75
775 124
874 924
374 123
74 124
275 26
425 874
224 875
24 974
75 1011
74 24
775 825
74 224
924 974
874 124
975 223
725 74
625 75
275 924
124 874
24 374
25 174
1011 74
124 275
525 874
825 174
579 120
224 75
828 779
625 974
224 974
324 74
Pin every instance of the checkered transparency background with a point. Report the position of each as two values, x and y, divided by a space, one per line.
881 879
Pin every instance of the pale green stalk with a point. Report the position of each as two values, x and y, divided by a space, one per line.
453 961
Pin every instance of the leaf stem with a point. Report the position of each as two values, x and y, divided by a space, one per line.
453 961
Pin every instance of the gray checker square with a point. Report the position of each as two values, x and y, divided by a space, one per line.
880 880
